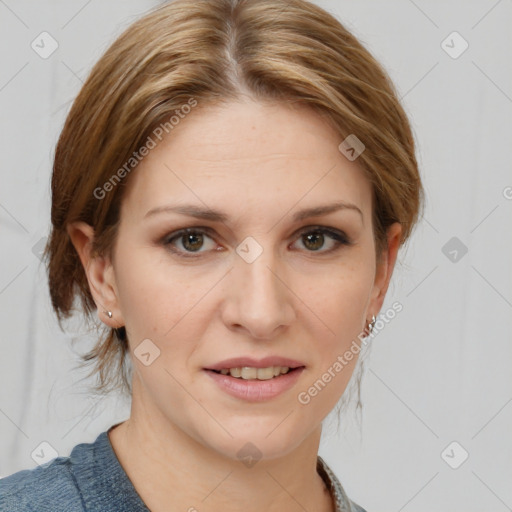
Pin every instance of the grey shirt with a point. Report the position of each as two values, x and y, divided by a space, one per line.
91 479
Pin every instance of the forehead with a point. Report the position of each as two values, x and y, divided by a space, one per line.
246 155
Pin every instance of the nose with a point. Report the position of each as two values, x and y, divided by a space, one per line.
260 300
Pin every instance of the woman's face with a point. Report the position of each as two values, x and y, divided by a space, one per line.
265 281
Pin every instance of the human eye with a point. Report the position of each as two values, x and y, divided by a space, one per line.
191 241
314 237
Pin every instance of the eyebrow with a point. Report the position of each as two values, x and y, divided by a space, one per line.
217 216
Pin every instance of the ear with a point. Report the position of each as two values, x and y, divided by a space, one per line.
385 269
99 272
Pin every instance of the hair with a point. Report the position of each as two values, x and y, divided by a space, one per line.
215 51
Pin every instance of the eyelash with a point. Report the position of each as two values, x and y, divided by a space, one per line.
339 238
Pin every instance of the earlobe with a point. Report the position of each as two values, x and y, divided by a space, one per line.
98 271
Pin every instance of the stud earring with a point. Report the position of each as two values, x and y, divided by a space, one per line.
109 313
371 325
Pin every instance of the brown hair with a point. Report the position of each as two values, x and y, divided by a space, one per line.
216 50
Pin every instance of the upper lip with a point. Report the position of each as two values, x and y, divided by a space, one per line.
239 362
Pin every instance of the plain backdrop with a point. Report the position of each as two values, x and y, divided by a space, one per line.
437 389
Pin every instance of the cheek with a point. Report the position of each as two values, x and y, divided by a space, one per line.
339 306
339 299
155 294
340 311
162 300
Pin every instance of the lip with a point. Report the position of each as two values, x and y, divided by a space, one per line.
256 390
239 362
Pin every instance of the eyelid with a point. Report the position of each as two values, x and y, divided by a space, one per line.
166 240
323 229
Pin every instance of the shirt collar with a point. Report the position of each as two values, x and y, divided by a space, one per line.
341 501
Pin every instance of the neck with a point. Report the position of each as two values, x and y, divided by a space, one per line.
172 471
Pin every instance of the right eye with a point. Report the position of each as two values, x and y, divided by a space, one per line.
190 239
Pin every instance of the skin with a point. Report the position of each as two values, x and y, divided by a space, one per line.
259 163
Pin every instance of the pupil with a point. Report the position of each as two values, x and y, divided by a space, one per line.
192 237
317 237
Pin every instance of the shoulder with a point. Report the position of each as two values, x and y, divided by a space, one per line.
61 484
91 479
46 488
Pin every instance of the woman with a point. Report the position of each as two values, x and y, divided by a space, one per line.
229 193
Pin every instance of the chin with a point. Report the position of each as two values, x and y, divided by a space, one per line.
268 439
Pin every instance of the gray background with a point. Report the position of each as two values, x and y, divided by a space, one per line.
437 373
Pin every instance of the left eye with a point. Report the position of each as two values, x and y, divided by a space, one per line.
314 239
192 240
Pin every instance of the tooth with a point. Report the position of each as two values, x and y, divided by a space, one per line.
265 373
236 372
249 373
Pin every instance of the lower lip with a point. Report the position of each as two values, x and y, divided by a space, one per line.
256 390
